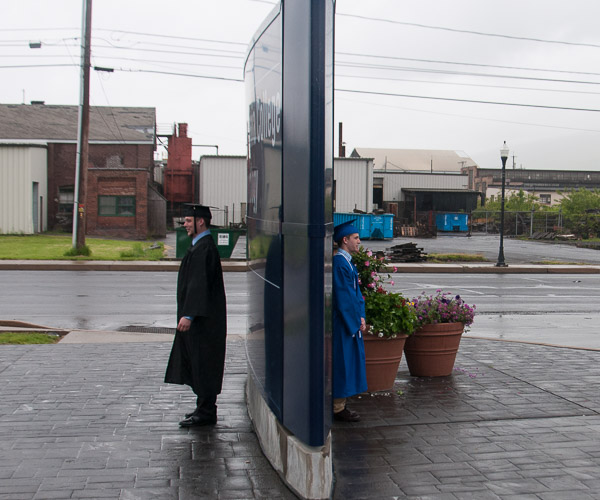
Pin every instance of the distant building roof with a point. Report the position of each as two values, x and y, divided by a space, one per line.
421 160
56 123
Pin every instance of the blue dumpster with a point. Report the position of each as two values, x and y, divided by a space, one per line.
382 226
361 221
452 222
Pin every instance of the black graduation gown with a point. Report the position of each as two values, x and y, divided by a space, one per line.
198 355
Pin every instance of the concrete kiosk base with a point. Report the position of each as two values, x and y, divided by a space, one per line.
307 470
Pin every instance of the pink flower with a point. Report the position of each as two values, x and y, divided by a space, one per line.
395 269
369 253
367 263
392 282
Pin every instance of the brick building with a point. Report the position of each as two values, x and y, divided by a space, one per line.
547 185
121 200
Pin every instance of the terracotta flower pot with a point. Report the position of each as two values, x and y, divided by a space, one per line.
383 356
431 350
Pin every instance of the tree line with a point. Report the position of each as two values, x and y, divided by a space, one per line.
579 209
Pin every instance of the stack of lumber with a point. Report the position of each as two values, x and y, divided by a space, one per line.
408 231
407 252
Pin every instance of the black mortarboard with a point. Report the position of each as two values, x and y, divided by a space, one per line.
193 210
344 229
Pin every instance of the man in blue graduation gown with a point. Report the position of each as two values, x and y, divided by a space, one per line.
349 372
198 354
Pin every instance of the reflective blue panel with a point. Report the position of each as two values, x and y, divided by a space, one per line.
264 98
289 85
307 167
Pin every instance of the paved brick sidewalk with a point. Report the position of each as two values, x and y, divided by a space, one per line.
514 421
96 421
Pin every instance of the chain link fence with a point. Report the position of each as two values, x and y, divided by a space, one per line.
517 223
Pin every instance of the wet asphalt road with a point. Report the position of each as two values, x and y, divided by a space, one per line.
510 306
515 251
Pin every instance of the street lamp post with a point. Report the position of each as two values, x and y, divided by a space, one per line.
504 156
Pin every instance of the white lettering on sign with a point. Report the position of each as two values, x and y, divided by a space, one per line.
223 239
269 117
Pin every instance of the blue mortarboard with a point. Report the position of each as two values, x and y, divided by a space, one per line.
344 229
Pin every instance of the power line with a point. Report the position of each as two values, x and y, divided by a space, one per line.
391 94
179 74
479 85
40 29
158 35
38 66
545 125
354 91
470 32
434 61
140 33
168 52
462 73
185 63
152 44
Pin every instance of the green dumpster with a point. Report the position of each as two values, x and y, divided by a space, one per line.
182 242
225 239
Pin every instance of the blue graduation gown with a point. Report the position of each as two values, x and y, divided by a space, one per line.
349 372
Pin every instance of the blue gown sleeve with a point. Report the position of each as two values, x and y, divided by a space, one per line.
347 301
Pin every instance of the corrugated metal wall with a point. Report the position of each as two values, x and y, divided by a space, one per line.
393 183
223 184
20 167
353 184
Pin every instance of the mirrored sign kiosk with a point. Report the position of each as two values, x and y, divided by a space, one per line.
289 95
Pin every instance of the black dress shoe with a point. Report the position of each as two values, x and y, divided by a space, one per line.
346 415
195 421
192 413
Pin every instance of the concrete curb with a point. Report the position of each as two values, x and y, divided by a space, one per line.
95 336
108 265
242 266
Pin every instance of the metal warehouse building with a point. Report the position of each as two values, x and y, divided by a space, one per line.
23 189
223 184
223 180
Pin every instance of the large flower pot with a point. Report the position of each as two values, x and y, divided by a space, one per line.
431 350
383 356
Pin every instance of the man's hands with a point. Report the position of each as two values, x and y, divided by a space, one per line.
184 324
363 325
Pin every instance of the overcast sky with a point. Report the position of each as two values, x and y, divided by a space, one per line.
404 71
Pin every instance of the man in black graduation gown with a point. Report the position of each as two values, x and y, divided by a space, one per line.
198 353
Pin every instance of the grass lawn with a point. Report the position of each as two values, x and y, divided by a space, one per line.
22 338
54 247
455 257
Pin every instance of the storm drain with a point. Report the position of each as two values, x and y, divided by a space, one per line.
147 329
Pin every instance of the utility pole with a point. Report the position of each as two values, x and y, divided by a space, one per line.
83 128
341 143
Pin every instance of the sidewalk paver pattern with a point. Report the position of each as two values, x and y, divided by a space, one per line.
513 421
96 421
